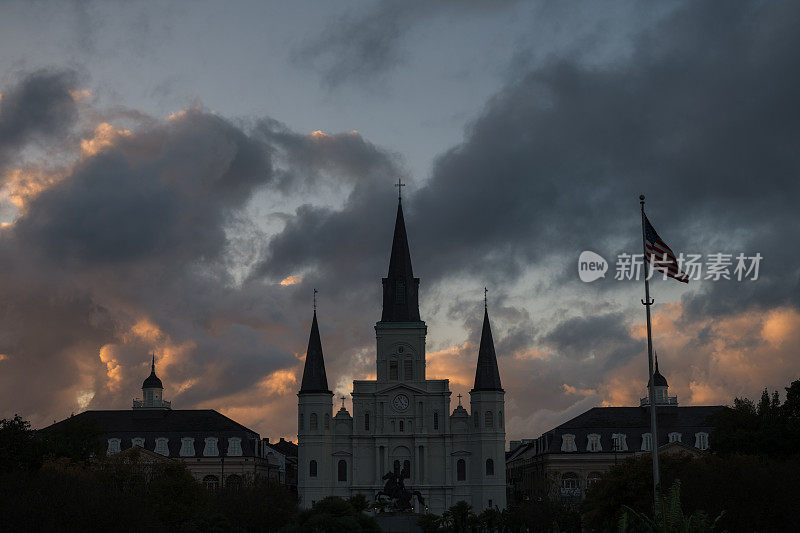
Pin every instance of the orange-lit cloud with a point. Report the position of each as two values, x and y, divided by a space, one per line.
291 280
104 136
113 368
23 184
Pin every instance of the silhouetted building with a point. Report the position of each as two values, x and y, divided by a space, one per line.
402 421
565 461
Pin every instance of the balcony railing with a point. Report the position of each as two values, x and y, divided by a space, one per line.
671 400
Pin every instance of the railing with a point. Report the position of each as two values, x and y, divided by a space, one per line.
138 404
671 400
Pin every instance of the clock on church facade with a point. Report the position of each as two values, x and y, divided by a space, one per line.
401 420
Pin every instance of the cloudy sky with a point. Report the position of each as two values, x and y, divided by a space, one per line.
178 177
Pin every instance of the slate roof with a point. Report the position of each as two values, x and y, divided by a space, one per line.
634 422
400 287
487 376
661 381
314 377
287 448
172 424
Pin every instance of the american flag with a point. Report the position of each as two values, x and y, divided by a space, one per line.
661 257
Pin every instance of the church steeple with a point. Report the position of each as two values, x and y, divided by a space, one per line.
314 378
400 287
487 376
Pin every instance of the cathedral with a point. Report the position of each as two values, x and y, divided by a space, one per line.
402 421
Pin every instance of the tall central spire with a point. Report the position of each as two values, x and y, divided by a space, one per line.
487 376
400 287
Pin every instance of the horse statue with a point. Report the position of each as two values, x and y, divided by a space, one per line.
395 490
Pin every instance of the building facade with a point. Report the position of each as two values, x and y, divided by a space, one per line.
216 450
402 421
565 461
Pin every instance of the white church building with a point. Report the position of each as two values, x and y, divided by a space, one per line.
402 420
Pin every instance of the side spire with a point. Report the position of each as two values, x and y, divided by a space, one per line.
487 376
400 287
314 378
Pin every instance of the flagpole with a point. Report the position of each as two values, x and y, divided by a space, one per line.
647 302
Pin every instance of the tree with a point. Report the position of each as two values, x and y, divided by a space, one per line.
332 514
18 447
668 516
429 523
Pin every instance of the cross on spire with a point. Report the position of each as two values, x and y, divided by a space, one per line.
399 186
342 398
315 299
459 399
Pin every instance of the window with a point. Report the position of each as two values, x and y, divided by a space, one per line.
500 419
393 370
187 447
570 481
312 468
366 421
476 416
313 421
113 446
211 449
461 470
400 292
647 442
342 467
568 443
619 441
593 443
407 468
211 483
138 441
402 426
327 421
489 467
408 370
489 419
435 420
234 481
593 478
148 396
675 437
161 446
396 466
701 440
300 422
235 447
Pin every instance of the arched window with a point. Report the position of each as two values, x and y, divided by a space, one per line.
393 370
396 466
327 421
408 370
300 422
489 467
312 468
402 426
342 467
489 419
366 421
400 293
476 416
500 419
407 468
461 470
211 482
593 478
570 481
313 421
435 420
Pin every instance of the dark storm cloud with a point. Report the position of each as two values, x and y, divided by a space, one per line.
596 337
364 45
40 107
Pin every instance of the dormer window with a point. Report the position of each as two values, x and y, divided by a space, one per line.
235 447
593 443
187 447
211 449
113 446
619 441
137 441
675 437
568 443
647 442
161 446
701 440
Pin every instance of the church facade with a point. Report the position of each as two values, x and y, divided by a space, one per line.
402 422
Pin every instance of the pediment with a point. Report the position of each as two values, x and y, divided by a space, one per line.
461 452
401 386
